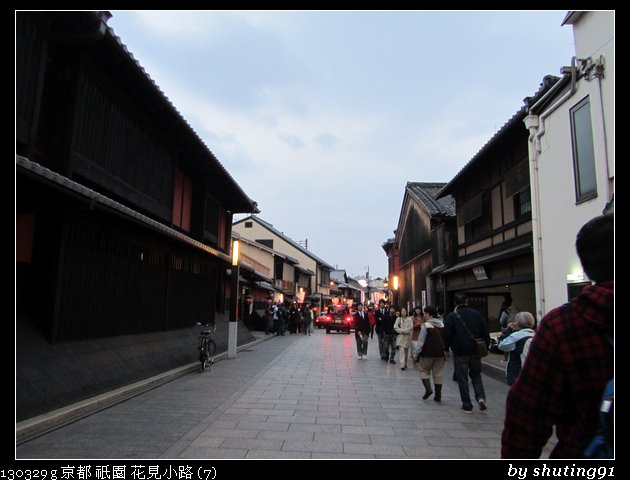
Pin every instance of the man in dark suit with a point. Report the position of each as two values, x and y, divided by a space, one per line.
459 329
381 313
361 331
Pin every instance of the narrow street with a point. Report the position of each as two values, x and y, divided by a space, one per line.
287 397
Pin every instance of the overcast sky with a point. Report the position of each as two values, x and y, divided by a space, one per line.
322 117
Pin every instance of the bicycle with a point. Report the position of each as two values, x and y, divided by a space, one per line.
206 346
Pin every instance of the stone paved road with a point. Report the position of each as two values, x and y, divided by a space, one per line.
288 397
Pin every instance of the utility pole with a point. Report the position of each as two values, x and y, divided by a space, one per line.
367 279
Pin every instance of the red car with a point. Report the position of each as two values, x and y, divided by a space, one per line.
338 318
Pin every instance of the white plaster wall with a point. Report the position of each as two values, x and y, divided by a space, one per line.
560 217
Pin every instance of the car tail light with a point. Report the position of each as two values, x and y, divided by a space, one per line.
349 318
329 318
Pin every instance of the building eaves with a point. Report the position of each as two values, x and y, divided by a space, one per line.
98 200
273 252
240 238
303 270
495 256
293 243
547 83
425 193
571 17
249 206
338 275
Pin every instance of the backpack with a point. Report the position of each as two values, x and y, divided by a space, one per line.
602 444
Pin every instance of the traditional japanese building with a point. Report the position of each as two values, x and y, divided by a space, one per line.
123 217
494 247
424 240
307 280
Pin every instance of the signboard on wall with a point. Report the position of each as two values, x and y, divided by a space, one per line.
480 273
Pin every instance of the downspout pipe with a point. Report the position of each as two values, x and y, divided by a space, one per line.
531 123
552 108
609 190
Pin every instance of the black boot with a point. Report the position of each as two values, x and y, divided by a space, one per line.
438 392
427 388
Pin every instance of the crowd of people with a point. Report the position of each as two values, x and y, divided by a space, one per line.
281 318
556 369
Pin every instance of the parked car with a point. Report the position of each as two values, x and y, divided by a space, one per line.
322 319
338 319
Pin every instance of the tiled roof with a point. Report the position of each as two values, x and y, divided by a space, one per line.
425 194
119 43
23 164
547 83
278 233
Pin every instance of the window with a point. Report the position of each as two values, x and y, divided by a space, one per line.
481 226
182 200
214 222
522 202
583 152
278 265
267 243
249 224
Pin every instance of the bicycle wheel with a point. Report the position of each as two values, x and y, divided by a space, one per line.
212 350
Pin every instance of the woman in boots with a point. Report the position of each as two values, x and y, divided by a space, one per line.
403 327
430 353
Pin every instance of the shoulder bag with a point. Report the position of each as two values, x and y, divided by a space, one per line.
480 344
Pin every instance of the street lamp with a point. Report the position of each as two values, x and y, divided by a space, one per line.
233 323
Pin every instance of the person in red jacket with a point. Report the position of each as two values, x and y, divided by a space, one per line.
570 360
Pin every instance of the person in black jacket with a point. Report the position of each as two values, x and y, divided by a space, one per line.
361 331
381 314
389 335
459 329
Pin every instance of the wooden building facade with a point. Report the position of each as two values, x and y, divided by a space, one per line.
494 222
102 131
123 217
424 240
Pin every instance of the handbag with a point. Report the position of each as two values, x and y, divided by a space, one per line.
480 344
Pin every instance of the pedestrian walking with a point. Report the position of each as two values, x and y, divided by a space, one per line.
276 319
282 319
460 328
372 320
308 319
389 336
403 327
430 353
381 314
361 331
418 319
570 360
269 318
